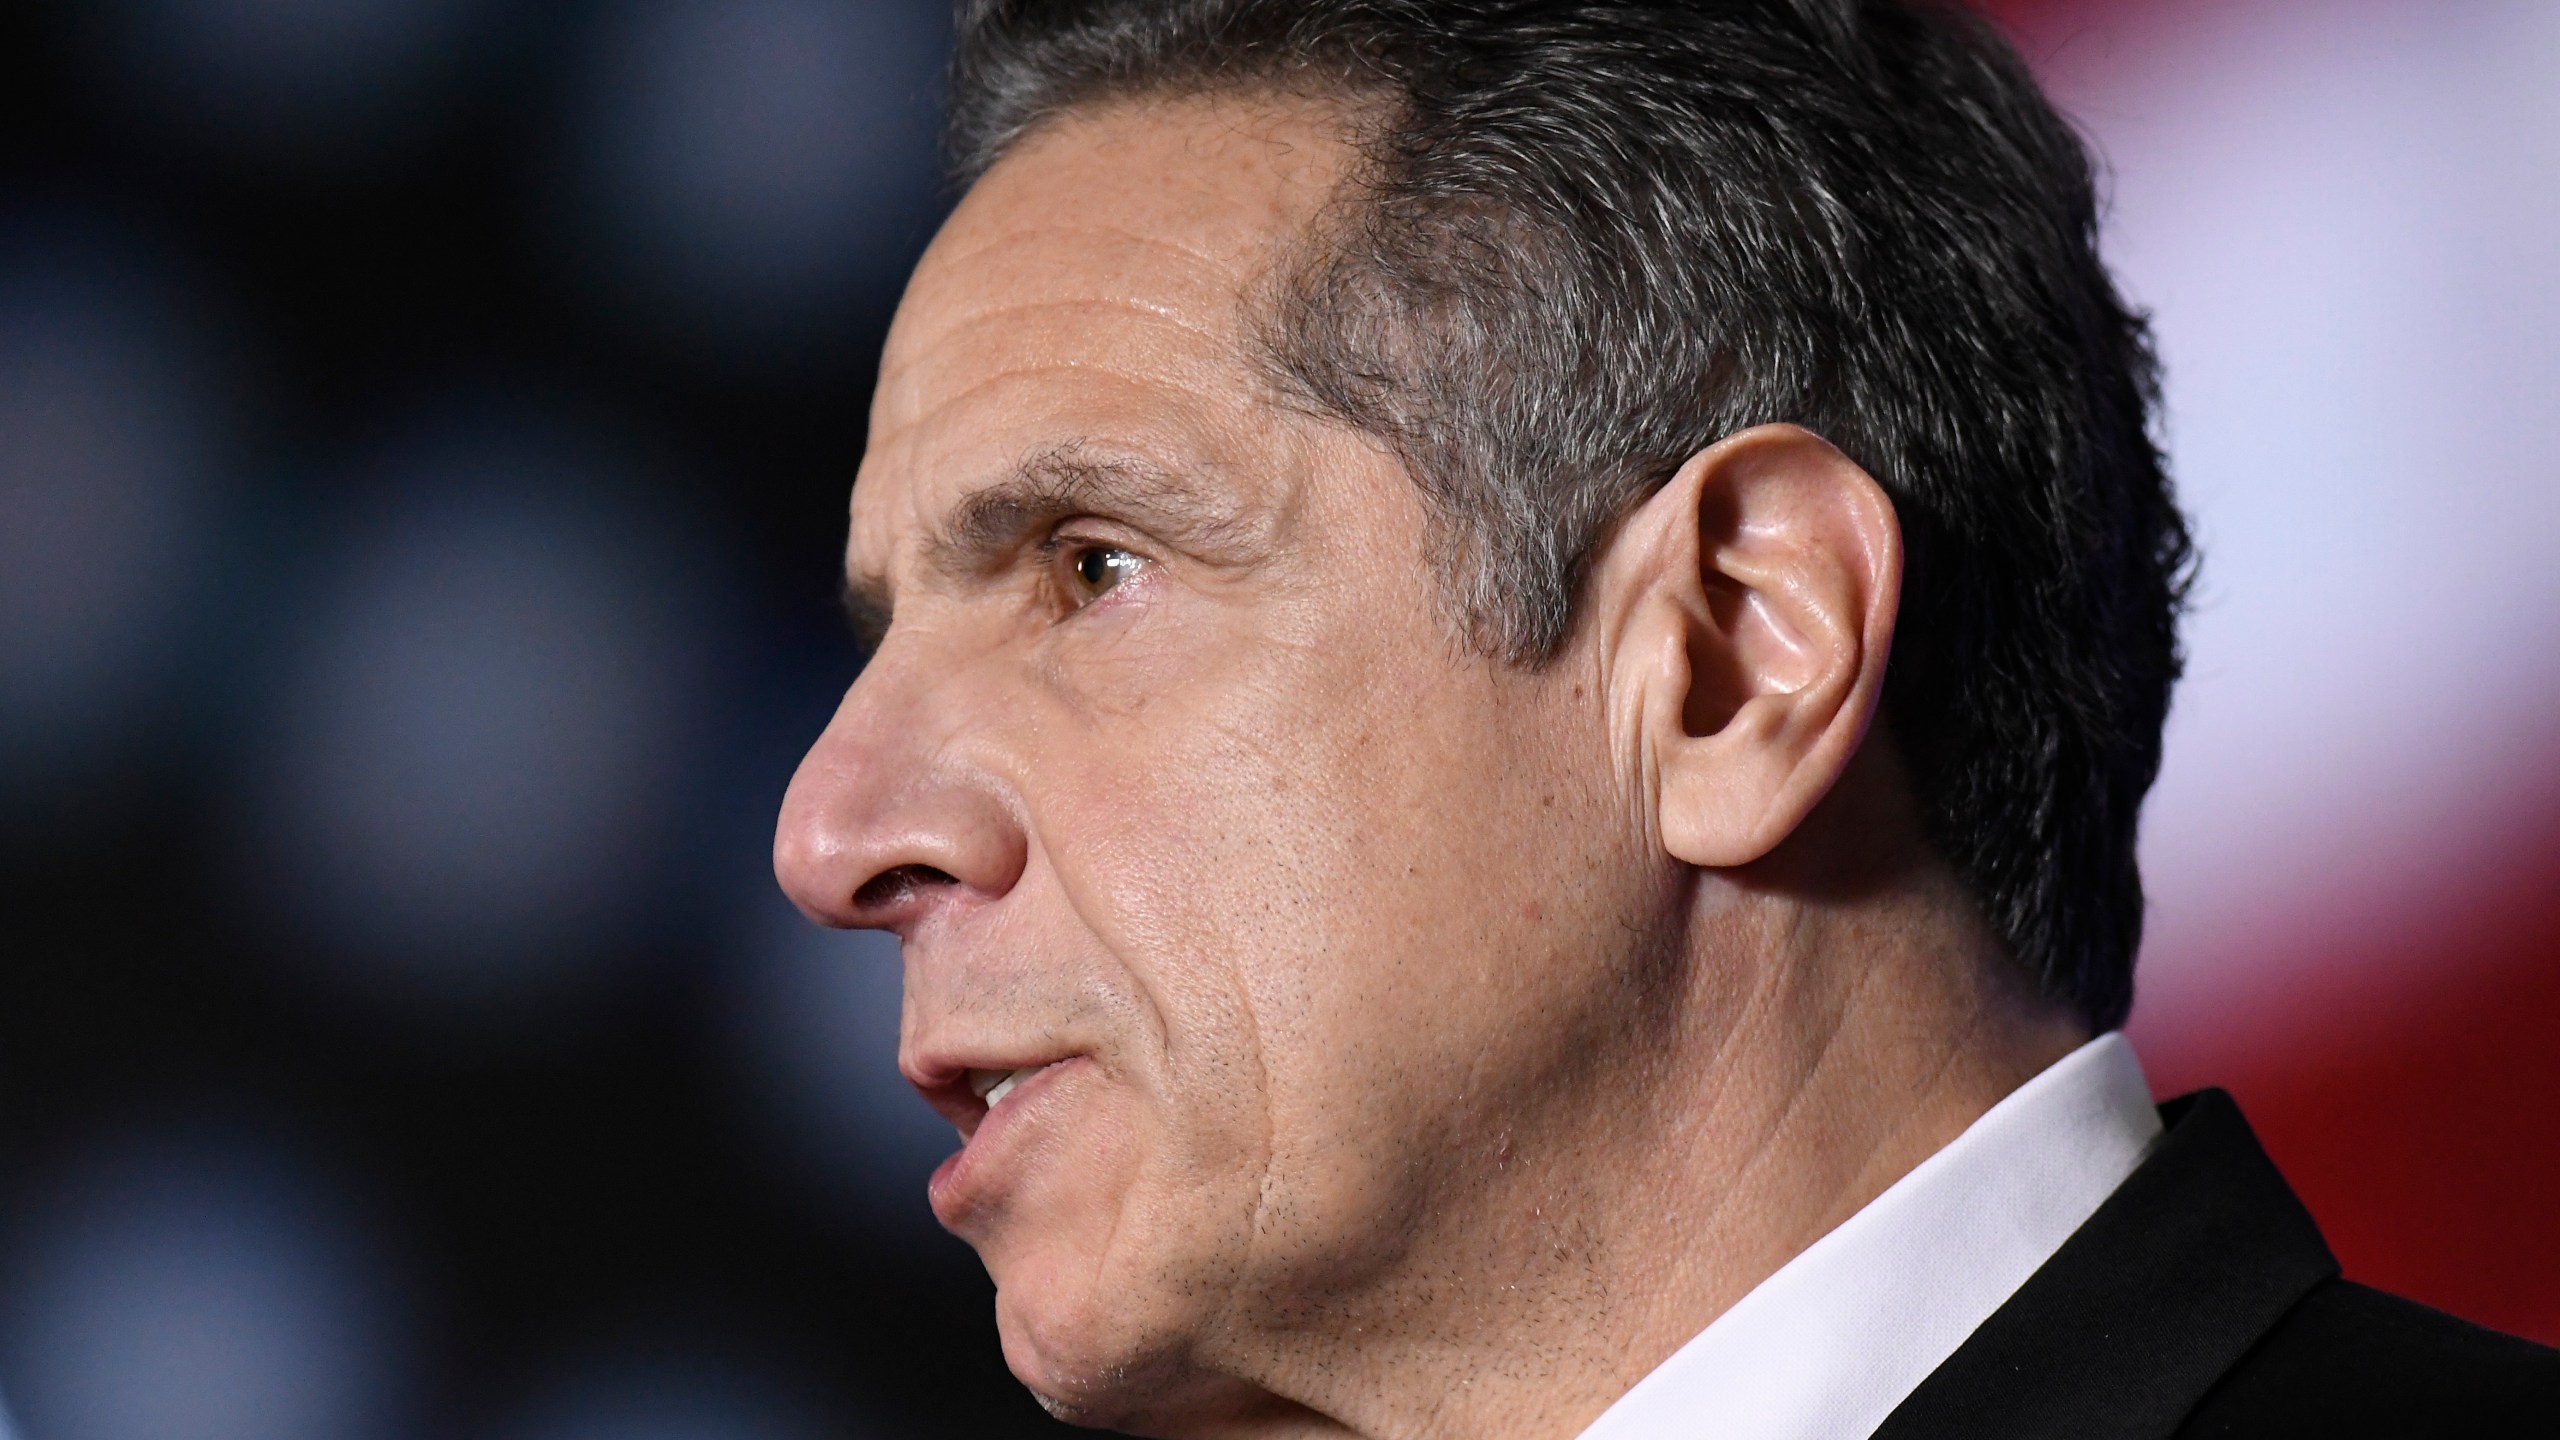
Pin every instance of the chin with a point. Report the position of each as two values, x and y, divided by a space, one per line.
1086 1362
1109 1351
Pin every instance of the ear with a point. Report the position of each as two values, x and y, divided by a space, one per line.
1750 603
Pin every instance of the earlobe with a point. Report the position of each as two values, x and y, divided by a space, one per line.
1755 597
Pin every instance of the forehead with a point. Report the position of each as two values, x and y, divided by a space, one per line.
1090 290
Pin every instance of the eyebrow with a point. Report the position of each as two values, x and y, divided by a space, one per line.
993 523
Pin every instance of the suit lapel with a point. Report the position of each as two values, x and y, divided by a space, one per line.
2194 1257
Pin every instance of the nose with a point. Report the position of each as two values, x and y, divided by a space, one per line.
894 813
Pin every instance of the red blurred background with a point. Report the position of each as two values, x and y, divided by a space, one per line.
2344 218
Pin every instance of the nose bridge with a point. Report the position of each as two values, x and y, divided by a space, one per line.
892 811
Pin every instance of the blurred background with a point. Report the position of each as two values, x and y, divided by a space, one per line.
424 430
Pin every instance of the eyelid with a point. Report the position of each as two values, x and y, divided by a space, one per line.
1067 535
1119 533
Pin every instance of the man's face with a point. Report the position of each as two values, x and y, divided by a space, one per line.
1180 793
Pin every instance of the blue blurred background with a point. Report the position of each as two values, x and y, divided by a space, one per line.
424 432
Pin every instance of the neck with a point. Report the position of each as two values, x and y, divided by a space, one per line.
1817 1053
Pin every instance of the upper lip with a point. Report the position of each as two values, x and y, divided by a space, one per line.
943 1080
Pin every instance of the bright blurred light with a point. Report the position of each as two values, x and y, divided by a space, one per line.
2347 218
658 1392
815 1032
289 80
479 747
199 1285
107 489
751 170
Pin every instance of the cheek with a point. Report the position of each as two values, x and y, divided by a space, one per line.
1337 915
1159 830
1326 905
1423 938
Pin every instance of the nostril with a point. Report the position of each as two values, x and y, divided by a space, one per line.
890 887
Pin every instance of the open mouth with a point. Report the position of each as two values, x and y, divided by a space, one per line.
968 1096
991 1086
987 1106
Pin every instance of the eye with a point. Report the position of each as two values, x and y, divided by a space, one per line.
1095 569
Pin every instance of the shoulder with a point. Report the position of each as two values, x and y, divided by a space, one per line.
2347 1360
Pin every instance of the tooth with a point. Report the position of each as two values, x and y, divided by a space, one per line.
996 1092
983 1081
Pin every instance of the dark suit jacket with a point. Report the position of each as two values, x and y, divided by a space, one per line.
2201 1301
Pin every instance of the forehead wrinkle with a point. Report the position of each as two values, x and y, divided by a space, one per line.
1048 332
1170 405
1049 238
908 386
1213 311
1152 312
1030 258
1222 263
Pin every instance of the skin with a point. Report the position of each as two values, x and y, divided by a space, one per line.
1439 1043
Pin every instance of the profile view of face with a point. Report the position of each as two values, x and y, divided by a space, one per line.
1247 915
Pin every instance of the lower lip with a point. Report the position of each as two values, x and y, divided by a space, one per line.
961 1184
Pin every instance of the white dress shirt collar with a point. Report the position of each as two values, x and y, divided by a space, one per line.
1825 1348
